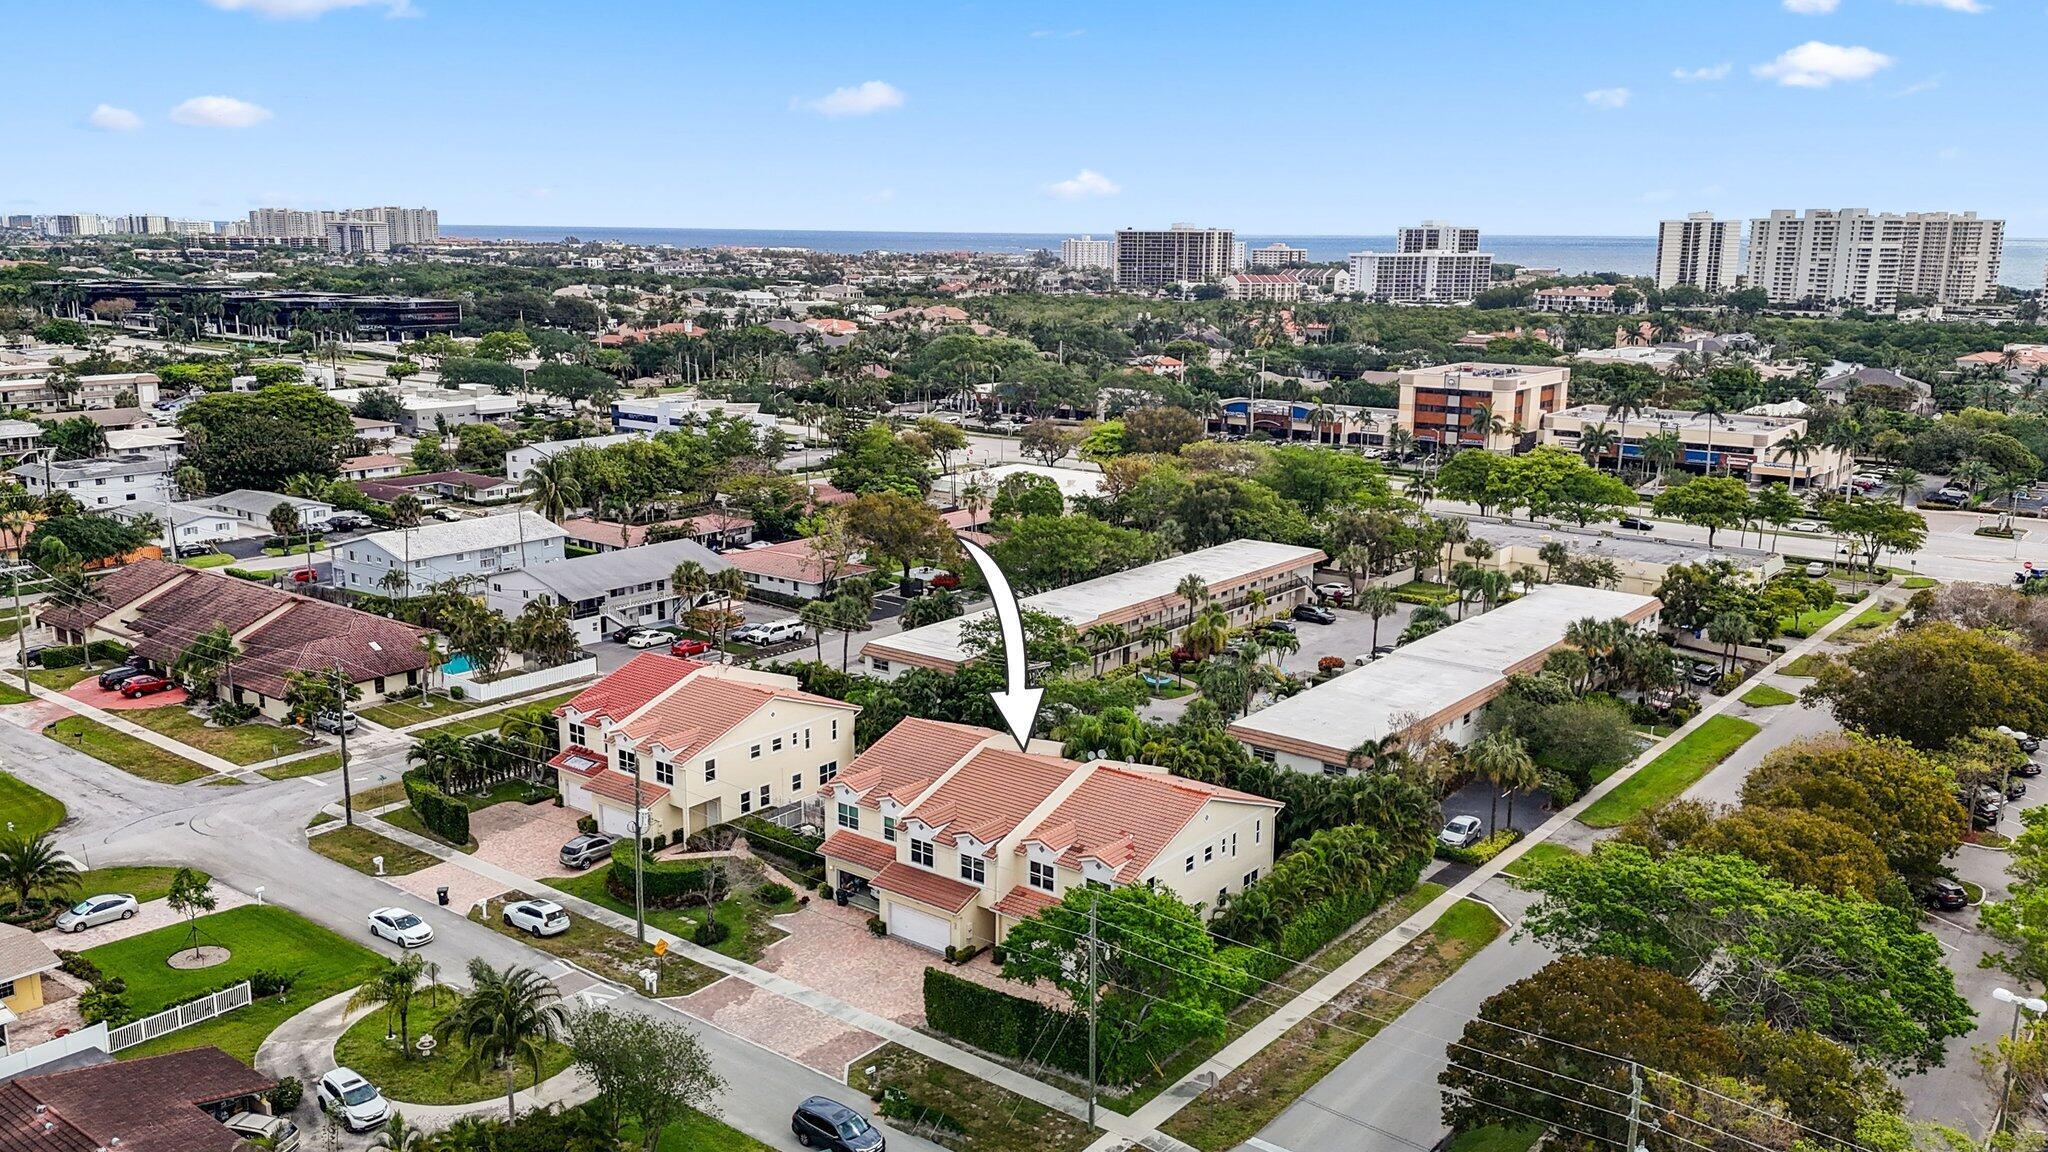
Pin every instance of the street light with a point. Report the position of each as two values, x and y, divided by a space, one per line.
2033 1004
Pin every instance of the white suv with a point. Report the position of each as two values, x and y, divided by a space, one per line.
353 1100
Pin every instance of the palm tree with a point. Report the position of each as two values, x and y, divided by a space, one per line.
393 990
406 510
850 613
1155 636
1209 632
1194 590
1378 603
1598 440
1498 758
31 864
818 616
1711 409
1451 532
1903 478
1798 447
1661 450
552 487
1728 629
690 581
508 1016
398 1136
1103 639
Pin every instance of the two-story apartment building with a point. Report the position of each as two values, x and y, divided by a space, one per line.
955 835
709 743
475 549
99 484
629 588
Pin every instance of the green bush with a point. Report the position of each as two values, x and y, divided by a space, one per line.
1481 852
245 574
285 1095
773 893
664 883
1018 1029
878 926
102 1004
586 824
791 851
442 814
711 932
72 655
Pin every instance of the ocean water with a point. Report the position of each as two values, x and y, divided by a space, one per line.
2026 260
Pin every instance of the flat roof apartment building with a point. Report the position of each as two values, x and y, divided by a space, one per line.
101 483
1159 258
1867 259
1087 252
1432 263
1278 255
1699 252
1439 406
1133 600
1735 443
475 549
1438 685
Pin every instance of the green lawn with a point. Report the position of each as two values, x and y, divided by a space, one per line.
1495 1138
407 819
1538 856
1263 1087
309 766
143 883
1803 666
612 954
747 917
399 713
1767 696
59 679
1427 592
441 1079
27 809
1677 769
488 722
124 751
1807 623
210 560
9 694
1916 583
697 1132
1877 618
354 846
246 743
257 936
380 795
991 1119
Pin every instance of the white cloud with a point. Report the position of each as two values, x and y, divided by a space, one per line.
108 118
1812 7
860 100
1084 184
219 112
1710 72
1971 6
1817 65
1608 97
311 9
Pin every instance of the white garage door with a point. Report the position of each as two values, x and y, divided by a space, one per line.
574 795
614 821
920 928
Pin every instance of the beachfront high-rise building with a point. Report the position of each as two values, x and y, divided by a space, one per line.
1433 262
1868 259
350 236
402 226
1278 255
1087 252
1148 258
1698 252
408 225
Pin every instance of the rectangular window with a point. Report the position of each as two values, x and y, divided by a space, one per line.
1251 877
835 729
1233 843
849 817
577 735
1257 827
1208 853
754 753
1041 876
764 796
796 783
889 828
775 745
828 771
628 762
1191 864
746 803
807 737
664 772
973 869
710 771
921 852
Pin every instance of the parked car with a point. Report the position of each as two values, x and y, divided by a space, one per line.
304 576
140 686
537 917
2026 741
1944 895
1461 832
1705 674
1816 569
648 638
1335 592
33 656
689 647
1810 526
94 911
353 1100
448 515
824 1123
401 927
587 849
196 548
1634 523
1275 626
1953 495
113 678
276 1132
770 632
1314 615
2015 788
1384 650
336 722
2028 768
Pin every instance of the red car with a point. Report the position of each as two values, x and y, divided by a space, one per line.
689 647
144 685
304 575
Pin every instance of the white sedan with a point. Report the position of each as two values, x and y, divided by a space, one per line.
1812 526
648 638
96 910
400 927
1461 832
537 917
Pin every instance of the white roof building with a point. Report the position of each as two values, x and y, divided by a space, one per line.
470 549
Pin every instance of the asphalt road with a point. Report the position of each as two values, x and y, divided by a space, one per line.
251 838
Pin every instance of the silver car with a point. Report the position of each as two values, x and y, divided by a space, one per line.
94 911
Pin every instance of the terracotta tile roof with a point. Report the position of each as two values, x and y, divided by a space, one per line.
857 849
615 785
698 713
908 757
1123 817
361 463
913 883
991 793
578 759
111 591
791 560
1020 902
630 687
583 529
155 1104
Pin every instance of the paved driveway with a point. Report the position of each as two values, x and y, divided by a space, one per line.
88 691
148 918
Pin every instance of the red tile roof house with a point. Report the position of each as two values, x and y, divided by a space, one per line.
710 743
159 608
170 1103
956 835
792 568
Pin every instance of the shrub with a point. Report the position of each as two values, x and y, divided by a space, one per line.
75 964
793 852
284 1097
878 926
101 1003
442 814
1020 1029
952 954
1730 681
72 655
664 883
586 824
660 841
456 692
711 932
824 891
1481 852
772 893
1684 709
896 1104
270 982
245 574
227 714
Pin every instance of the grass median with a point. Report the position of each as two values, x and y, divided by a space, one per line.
1266 1085
130 755
248 743
958 1109
1768 696
357 846
27 809
1670 774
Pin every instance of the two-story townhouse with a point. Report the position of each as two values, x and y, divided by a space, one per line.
708 744
953 836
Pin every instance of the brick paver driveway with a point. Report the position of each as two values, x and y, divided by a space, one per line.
526 838
151 916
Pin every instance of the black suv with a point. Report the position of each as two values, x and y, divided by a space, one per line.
1314 615
1944 896
823 1123
113 678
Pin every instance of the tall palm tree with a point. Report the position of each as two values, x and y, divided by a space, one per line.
1498 758
1597 441
1712 409
552 487
818 616
1661 450
1378 603
393 989
509 1016
1798 448
406 510
1209 632
690 581
31 863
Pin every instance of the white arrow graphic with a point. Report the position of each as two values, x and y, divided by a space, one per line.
1017 703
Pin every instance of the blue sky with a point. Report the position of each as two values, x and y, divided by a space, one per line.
1571 116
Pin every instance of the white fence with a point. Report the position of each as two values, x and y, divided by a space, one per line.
29 1059
183 1016
520 683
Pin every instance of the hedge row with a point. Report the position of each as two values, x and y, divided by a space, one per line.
791 851
442 814
664 883
72 655
1319 923
1013 1027
1481 852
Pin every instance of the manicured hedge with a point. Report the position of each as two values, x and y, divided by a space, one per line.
443 815
72 655
664 883
791 851
1319 923
1481 852
1013 1027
